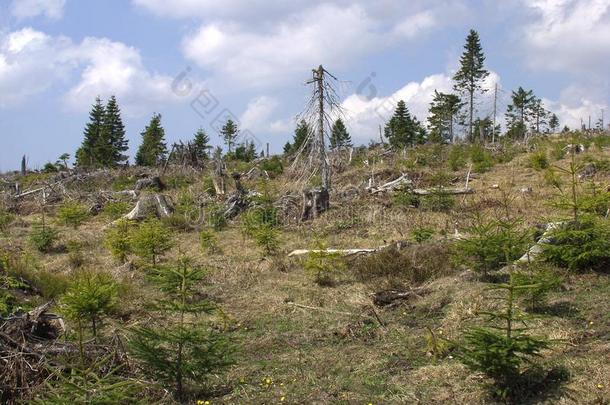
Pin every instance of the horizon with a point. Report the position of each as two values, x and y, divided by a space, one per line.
252 63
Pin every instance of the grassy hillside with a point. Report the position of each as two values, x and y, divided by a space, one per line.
297 341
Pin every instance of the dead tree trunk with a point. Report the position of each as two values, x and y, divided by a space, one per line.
315 202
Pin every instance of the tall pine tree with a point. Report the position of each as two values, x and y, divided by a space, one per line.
443 110
114 135
469 78
229 134
88 153
153 149
339 137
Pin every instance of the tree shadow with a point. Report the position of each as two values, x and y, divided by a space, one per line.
563 309
537 385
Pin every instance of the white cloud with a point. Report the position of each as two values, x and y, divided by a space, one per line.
52 9
258 113
326 33
569 35
576 104
32 61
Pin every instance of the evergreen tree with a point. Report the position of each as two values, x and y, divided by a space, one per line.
180 349
339 137
301 134
229 134
469 77
88 153
153 148
201 144
483 128
443 110
539 115
520 112
401 130
554 123
113 141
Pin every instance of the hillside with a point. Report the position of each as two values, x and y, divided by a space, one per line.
313 328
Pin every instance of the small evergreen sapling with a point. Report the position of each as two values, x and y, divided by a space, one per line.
118 240
180 349
72 214
322 265
500 348
151 239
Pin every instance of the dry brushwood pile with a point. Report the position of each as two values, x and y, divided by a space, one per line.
229 282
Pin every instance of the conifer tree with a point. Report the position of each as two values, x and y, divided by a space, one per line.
339 137
468 79
554 123
520 112
153 149
229 134
443 110
88 153
114 134
301 134
202 145
401 130
182 349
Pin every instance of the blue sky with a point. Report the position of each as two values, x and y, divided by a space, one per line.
250 59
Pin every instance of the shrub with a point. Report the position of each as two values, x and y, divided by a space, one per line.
123 182
90 297
178 351
118 241
209 240
215 217
491 245
457 157
558 150
414 264
76 259
115 209
439 201
322 265
422 234
72 214
500 349
6 219
481 159
267 238
406 199
539 160
580 245
23 267
43 237
150 240
273 166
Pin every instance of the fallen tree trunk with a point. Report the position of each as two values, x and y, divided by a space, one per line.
536 249
391 297
442 190
400 182
349 252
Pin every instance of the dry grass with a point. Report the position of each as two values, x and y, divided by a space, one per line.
331 347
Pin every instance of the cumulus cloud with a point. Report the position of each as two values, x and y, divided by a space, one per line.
52 9
32 61
569 35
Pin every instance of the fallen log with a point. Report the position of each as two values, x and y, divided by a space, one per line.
398 183
391 297
349 252
442 190
536 249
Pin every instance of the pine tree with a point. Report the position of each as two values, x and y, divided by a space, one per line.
443 110
180 349
339 137
202 145
229 134
88 153
539 115
401 130
301 135
468 79
520 112
115 135
153 148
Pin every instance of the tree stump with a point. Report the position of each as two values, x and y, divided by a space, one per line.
315 202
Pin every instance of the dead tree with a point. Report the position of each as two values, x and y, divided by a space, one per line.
322 107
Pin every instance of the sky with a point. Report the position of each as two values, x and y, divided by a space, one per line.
199 62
